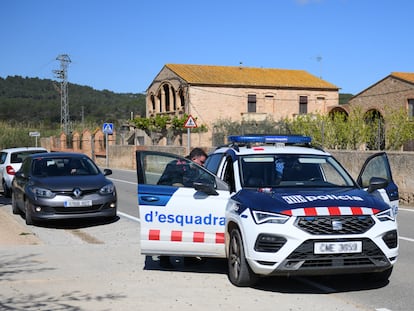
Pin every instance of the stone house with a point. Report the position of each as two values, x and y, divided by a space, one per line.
236 93
394 92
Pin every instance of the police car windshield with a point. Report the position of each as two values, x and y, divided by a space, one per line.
292 170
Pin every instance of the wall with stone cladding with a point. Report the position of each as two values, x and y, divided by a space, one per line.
123 157
402 166
402 163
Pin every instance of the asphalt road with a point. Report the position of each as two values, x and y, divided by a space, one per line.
98 266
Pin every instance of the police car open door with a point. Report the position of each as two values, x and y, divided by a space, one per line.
376 173
181 206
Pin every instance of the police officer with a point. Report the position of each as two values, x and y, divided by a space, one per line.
178 173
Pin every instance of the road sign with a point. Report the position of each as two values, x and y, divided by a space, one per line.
34 134
190 123
108 128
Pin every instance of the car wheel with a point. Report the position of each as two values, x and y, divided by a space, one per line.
380 276
240 274
6 190
28 213
15 209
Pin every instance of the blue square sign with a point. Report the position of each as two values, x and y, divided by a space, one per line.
108 128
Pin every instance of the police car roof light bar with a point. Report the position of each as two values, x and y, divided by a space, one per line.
270 139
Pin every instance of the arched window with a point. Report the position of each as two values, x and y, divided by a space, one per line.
375 122
166 89
152 99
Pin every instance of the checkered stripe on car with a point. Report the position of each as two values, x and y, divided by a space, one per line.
182 236
331 211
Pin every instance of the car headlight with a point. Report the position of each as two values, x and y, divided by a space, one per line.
42 192
107 189
389 214
265 217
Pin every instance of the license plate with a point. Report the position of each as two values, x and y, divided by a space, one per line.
78 203
337 247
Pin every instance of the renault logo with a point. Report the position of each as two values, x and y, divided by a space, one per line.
77 192
336 225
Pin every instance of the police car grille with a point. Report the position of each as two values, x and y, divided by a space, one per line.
371 256
335 224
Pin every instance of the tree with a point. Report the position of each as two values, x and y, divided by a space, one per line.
399 129
164 126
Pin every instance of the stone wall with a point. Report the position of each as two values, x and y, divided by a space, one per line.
91 143
123 157
402 164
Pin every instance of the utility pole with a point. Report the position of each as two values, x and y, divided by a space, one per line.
64 100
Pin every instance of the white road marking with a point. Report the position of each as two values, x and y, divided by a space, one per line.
129 216
406 239
124 181
406 209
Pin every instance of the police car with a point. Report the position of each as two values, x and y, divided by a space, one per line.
271 205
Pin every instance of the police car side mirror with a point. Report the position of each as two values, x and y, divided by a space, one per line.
206 188
376 183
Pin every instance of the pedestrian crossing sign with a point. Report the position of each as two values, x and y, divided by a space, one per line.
190 123
108 128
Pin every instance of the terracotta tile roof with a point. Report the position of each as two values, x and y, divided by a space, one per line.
248 76
407 76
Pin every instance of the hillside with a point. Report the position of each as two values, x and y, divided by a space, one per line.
28 100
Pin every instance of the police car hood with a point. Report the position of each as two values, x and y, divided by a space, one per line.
290 201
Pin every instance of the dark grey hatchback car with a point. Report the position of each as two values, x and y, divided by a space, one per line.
52 186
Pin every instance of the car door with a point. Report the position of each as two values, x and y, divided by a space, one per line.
378 166
181 206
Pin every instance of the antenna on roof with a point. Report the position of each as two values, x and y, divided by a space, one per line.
319 60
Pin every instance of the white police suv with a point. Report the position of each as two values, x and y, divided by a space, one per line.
272 205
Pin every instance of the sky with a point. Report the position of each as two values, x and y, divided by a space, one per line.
121 45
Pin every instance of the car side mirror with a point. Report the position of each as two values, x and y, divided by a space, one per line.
107 171
19 174
376 183
206 188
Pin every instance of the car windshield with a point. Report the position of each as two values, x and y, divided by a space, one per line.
260 171
64 166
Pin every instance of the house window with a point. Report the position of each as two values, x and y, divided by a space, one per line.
303 104
251 103
411 109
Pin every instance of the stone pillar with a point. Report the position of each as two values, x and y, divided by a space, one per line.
62 141
99 145
87 143
76 142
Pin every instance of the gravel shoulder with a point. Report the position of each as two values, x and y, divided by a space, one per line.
14 233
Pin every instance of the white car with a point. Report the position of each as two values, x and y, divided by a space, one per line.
10 162
271 205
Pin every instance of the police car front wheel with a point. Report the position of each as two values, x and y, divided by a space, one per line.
240 274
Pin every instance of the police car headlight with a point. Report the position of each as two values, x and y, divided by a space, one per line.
389 214
265 217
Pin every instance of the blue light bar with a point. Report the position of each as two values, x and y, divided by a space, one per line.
270 139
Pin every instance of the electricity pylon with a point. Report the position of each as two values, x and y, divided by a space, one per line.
64 99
